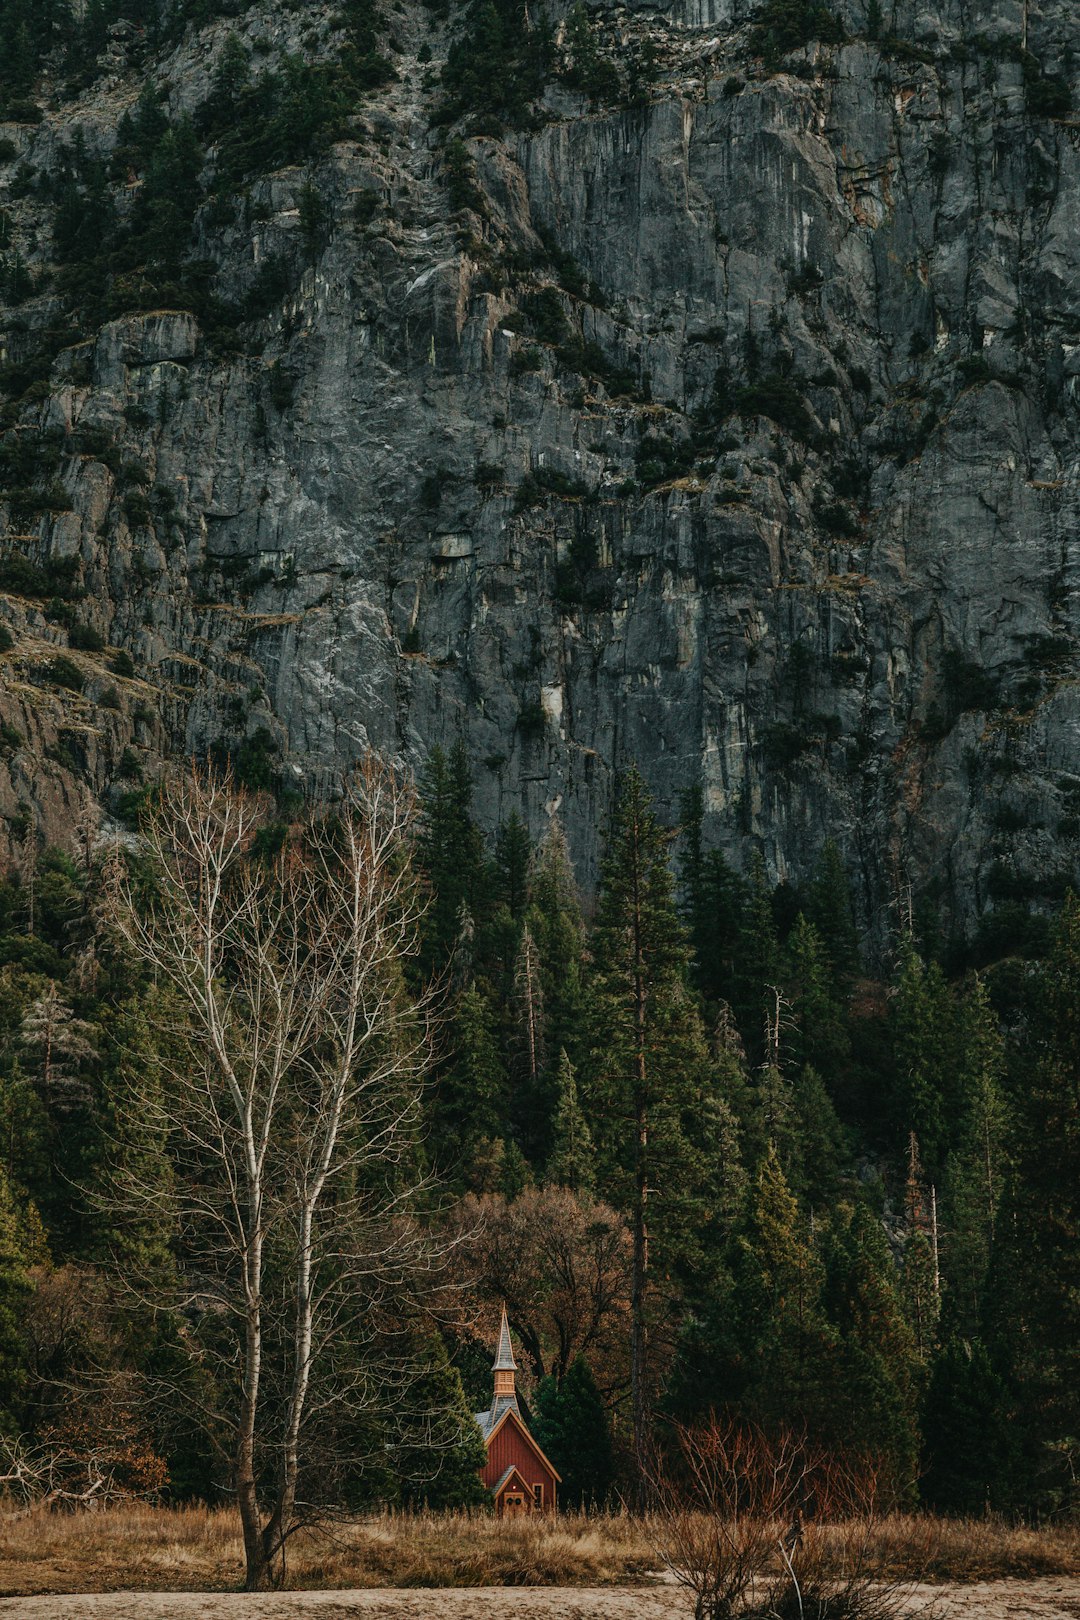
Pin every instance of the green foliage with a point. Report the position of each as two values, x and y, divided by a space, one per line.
587 68
779 399
66 673
450 853
15 1288
572 1429
782 26
441 1451
873 1401
648 1073
778 1086
969 1450
660 458
287 114
573 1161
28 33
472 1088
513 852
1046 95
1035 1304
782 1332
497 66
314 221
84 638
461 177
925 1037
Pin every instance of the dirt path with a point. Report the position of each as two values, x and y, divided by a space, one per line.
1053 1598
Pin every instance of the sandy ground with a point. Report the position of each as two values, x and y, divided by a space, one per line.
1052 1598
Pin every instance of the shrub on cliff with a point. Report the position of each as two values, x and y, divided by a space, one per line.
785 25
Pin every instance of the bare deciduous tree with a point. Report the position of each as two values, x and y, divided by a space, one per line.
289 1110
561 1265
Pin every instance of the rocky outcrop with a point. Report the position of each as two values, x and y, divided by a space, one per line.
774 488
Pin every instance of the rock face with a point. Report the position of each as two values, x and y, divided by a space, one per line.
779 497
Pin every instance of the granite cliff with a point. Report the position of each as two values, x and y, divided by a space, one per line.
718 411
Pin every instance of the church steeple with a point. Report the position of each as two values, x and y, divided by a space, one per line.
505 1368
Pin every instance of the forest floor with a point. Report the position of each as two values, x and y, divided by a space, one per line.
144 1563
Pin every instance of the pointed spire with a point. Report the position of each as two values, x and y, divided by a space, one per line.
504 1355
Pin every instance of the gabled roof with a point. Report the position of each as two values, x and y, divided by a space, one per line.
491 1429
504 1479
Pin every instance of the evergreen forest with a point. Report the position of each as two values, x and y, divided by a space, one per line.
710 1154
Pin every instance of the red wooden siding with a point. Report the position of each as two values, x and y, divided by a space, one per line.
512 1446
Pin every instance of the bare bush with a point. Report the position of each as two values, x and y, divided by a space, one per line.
720 1501
767 1523
77 1467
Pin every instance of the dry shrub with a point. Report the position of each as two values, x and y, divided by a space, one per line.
720 1503
83 1462
766 1523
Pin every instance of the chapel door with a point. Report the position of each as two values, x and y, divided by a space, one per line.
513 1504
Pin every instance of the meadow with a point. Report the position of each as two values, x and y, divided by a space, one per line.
197 1548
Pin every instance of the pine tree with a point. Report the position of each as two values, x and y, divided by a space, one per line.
572 1162
820 1036
58 1047
441 1451
969 1454
758 964
785 1341
132 1140
823 1146
555 923
513 853
723 1194
774 1123
24 1131
924 1027
515 1173
922 1280
830 912
976 1169
450 853
649 1057
531 1103
694 901
873 1393
572 1429
712 901
471 1088
1036 1301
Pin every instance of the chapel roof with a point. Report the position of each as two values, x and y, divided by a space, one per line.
504 1355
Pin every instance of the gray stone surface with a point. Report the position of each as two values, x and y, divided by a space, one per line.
898 235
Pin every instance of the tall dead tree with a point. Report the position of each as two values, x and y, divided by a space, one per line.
289 1112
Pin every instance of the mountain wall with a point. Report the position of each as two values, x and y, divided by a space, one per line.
718 414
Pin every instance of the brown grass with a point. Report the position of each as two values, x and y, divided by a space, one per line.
196 1548
920 1547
